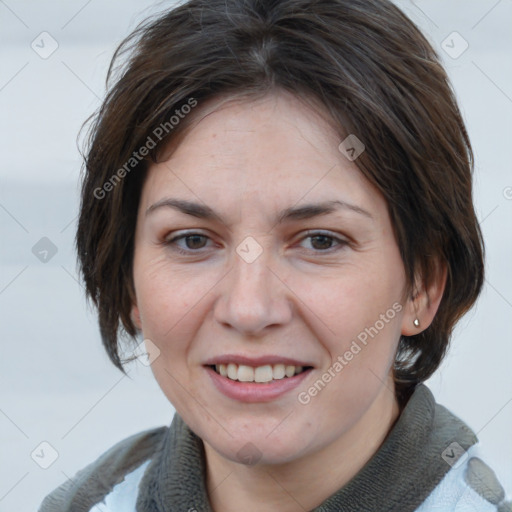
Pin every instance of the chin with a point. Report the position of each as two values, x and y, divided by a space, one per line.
259 448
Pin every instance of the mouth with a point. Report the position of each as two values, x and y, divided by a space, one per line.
256 378
265 374
252 380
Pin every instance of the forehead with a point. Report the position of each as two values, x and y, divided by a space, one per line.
277 149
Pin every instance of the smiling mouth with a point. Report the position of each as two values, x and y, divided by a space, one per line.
261 374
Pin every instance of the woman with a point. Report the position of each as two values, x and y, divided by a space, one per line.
278 199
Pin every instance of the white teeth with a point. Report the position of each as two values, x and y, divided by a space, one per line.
289 371
245 373
278 371
262 374
232 371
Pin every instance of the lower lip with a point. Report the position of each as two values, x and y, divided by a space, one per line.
255 392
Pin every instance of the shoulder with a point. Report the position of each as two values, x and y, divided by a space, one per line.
469 485
91 484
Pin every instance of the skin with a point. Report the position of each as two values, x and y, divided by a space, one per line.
303 297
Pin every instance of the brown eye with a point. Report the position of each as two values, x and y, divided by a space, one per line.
195 241
188 243
321 242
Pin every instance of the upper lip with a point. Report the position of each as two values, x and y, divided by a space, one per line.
254 361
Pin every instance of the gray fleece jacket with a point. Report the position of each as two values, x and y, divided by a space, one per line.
428 462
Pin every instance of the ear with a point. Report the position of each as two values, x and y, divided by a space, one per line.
135 316
423 304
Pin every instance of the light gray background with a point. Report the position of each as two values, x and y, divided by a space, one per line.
56 382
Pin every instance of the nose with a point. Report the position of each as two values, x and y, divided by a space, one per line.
252 297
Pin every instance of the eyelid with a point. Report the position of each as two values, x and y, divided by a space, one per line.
183 233
313 232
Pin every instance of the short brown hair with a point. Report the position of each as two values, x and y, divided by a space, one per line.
372 70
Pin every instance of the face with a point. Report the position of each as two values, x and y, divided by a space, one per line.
263 252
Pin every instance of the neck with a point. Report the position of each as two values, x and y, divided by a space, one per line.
305 483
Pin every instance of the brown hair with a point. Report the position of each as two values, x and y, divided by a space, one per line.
372 70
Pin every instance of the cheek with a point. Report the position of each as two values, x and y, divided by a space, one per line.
355 313
364 318
173 303
350 300
164 294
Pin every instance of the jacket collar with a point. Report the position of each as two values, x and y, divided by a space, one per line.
399 477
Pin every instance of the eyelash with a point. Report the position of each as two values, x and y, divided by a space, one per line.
172 243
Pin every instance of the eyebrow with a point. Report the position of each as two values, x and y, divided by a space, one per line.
306 211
